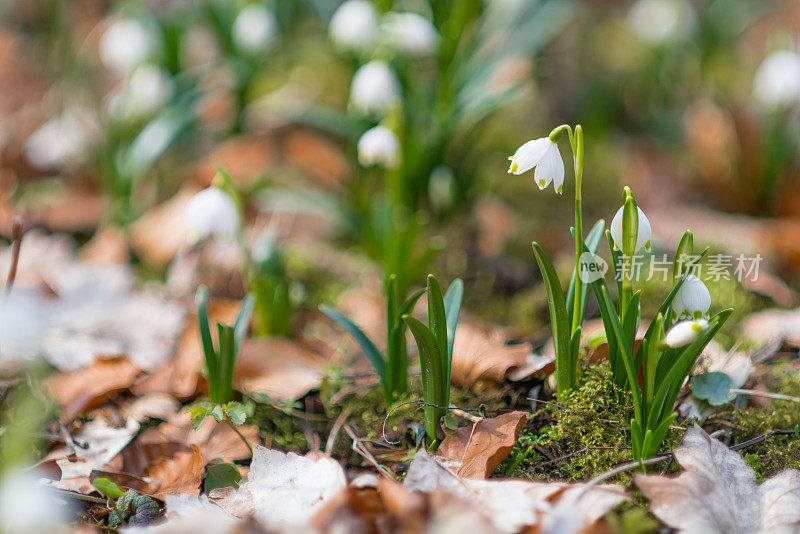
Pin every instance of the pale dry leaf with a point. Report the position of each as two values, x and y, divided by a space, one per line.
278 368
480 354
717 492
769 325
191 514
283 490
511 505
159 234
480 447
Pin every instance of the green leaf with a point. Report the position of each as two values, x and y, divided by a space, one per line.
227 359
437 323
630 226
243 320
218 412
685 248
714 387
107 488
237 412
210 353
433 387
452 306
364 342
658 435
221 475
559 323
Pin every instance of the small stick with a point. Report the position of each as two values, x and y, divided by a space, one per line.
762 437
337 425
16 238
754 393
360 449
581 451
626 467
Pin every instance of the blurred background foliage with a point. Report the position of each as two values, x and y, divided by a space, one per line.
110 109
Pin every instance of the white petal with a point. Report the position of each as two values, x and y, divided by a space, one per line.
379 145
558 177
528 155
695 297
549 167
211 212
643 232
354 26
685 332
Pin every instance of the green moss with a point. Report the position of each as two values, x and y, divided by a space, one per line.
578 438
775 453
283 429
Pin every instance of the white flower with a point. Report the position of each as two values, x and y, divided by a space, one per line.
379 145
354 26
148 89
22 326
27 506
658 22
374 89
543 154
643 232
125 44
211 213
693 299
61 142
777 80
254 28
410 32
685 332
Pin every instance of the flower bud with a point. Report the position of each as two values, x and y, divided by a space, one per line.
692 300
211 213
254 28
685 332
354 26
379 146
125 44
410 32
777 80
374 89
643 231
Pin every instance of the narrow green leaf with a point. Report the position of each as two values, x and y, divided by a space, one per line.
558 320
591 243
432 376
209 352
364 342
437 320
243 320
452 307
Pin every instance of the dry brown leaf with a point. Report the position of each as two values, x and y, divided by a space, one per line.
283 491
774 325
278 368
480 354
108 245
245 158
717 492
179 376
159 234
180 474
480 447
513 505
317 157
78 391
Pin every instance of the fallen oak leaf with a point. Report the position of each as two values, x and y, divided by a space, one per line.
480 447
180 474
717 492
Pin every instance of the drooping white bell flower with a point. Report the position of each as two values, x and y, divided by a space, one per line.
125 44
27 506
254 28
643 232
658 22
777 80
379 146
211 213
22 326
692 300
374 89
354 26
543 154
62 142
149 88
685 332
410 32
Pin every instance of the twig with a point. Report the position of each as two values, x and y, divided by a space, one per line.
337 425
451 408
767 394
762 437
626 467
581 451
360 449
80 496
16 237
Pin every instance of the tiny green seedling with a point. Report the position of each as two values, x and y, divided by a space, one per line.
392 369
220 360
435 345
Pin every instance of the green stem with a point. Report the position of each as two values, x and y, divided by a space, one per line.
577 151
233 427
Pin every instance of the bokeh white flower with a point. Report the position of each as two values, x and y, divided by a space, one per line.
643 231
149 89
27 506
211 213
543 154
125 44
685 332
410 32
254 28
660 22
777 80
379 146
692 300
354 26
374 89
62 142
22 326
